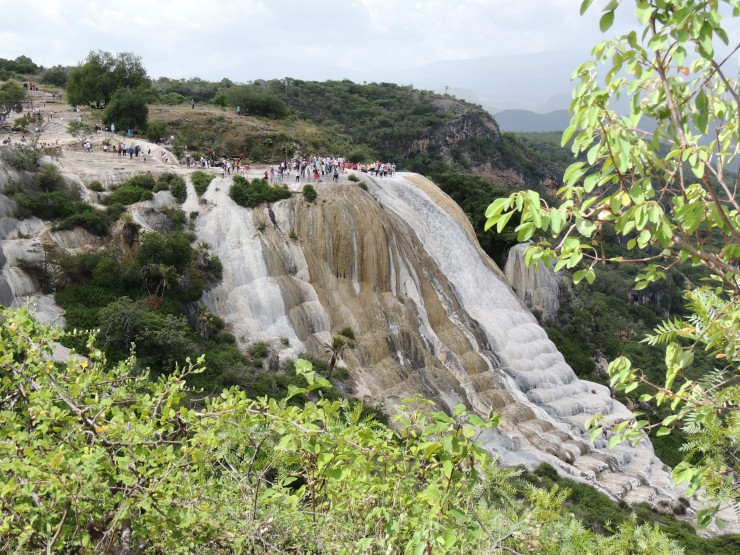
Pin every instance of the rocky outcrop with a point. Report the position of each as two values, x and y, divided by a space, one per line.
537 286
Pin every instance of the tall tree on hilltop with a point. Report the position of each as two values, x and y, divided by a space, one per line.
669 193
11 98
96 81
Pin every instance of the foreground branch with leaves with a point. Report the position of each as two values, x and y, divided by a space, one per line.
658 178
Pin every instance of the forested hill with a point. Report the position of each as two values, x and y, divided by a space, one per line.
422 130
418 130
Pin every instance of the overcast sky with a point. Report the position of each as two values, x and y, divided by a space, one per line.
252 39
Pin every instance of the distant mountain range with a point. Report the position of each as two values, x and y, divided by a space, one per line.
525 120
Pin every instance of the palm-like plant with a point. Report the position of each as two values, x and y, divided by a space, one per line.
334 351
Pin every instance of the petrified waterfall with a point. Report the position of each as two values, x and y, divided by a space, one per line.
432 314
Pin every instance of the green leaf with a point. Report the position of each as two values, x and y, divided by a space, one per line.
663 431
702 111
590 182
585 5
705 41
643 11
568 133
502 221
637 194
497 206
644 238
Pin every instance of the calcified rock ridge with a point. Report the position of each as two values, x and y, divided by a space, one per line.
537 286
432 314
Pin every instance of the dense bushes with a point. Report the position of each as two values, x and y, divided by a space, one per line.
48 197
175 184
254 102
80 214
128 194
141 299
141 187
255 193
600 514
309 193
201 181
20 157
128 108
155 130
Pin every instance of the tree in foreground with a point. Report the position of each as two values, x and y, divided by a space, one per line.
95 458
659 178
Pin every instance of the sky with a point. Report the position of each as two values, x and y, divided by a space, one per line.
245 40
187 38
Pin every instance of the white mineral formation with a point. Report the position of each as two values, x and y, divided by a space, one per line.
536 285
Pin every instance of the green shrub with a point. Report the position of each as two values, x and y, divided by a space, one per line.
160 186
83 215
219 99
127 194
215 268
48 179
47 206
201 180
171 249
309 193
259 350
20 157
96 186
348 333
115 210
142 181
128 108
172 99
255 193
573 351
176 185
353 178
179 218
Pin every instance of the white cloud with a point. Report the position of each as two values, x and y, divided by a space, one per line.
348 33
318 39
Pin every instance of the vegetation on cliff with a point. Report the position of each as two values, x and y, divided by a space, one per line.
99 458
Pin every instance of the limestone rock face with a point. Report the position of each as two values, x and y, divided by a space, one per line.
537 286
